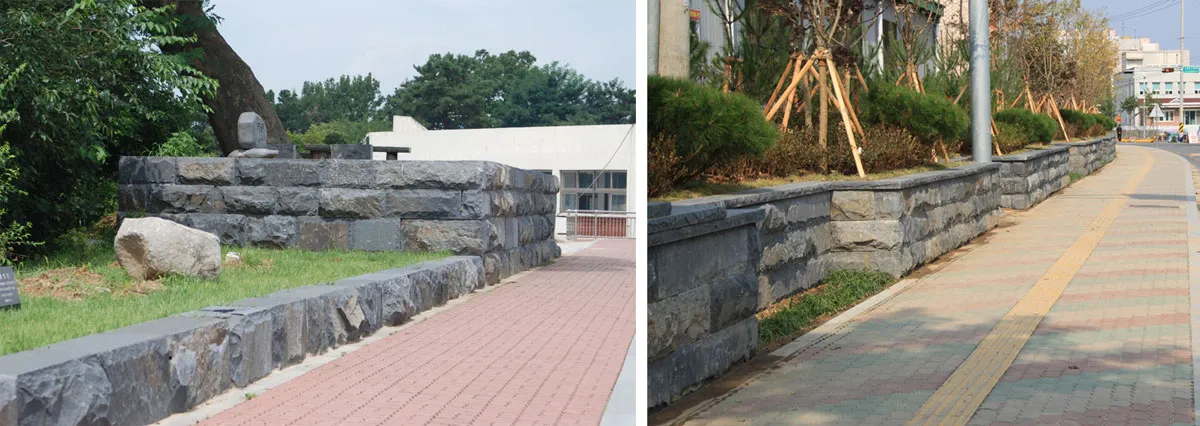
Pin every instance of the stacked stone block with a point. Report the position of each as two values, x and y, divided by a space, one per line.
503 214
1027 179
703 294
1089 156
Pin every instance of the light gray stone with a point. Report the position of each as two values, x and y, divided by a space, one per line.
853 205
252 131
259 153
460 236
205 171
271 231
873 235
678 320
151 247
351 203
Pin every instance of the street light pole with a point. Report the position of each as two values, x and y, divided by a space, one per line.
981 84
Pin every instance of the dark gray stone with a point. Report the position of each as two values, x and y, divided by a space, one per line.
200 364
684 369
154 170
251 199
348 174
316 234
460 236
186 199
230 228
277 172
285 150
271 231
350 152
423 204
351 203
457 175
133 198
9 408
376 235
76 392
205 171
298 201
658 209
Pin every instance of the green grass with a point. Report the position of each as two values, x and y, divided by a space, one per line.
1074 176
98 296
704 189
841 290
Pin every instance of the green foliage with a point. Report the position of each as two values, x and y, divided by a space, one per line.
338 132
506 90
1129 105
928 117
1082 124
185 144
92 85
1105 121
708 127
1011 137
841 290
348 98
798 153
1038 128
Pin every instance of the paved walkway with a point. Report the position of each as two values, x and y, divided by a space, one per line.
545 350
1074 312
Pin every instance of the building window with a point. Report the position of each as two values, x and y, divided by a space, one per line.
1156 87
1170 88
1189 117
1168 115
1141 88
594 190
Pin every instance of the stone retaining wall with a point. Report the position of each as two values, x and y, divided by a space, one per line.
503 214
701 307
1088 156
146 372
1028 178
700 320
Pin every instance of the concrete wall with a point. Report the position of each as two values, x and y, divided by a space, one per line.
146 372
701 312
502 214
701 308
553 148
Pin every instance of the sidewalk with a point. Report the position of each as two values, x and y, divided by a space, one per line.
546 349
1074 312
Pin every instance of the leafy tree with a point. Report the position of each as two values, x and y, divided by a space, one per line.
195 38
338 132
86 83
348 98
506 90
1129 105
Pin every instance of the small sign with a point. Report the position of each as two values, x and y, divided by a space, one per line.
8 289
694 13
1118 119
1191 70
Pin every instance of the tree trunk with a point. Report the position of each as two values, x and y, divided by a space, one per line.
823 114
238 91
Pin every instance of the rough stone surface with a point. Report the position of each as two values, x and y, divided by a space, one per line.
350 151
461 236
252 131
151 247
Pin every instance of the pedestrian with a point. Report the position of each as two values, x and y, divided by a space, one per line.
1118 133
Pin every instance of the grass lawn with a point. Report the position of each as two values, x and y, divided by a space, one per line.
704 189
799 313
80 292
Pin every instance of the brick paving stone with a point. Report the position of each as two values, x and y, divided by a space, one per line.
546 349
1114 349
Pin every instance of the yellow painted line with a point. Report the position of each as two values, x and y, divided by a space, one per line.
957 399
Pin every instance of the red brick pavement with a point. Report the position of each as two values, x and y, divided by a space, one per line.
544 350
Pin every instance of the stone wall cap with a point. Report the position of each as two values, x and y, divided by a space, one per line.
658 209
1026 156
688 215
733 219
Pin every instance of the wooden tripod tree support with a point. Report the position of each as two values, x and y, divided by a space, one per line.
841 98
1054 111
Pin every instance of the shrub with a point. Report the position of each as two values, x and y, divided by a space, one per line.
930 118
1078 123
337 132
885 148
184 144
1105 123
1011 137
1038 128
708 127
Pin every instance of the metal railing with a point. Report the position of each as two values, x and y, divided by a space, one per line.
600 224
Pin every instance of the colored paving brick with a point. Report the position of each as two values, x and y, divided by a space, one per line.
544 350
1074 312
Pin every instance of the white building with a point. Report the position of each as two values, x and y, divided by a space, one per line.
1141 66
595 164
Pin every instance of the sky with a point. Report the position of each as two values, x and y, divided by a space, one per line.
1157 20
288 42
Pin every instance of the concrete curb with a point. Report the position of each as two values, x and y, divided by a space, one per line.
145 372
1193 282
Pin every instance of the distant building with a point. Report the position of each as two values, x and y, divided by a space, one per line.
1140 71
594 164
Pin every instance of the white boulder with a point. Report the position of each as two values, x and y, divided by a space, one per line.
150 247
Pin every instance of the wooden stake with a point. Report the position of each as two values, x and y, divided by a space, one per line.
787 111
791 87
845 118
823 106
861 79
1058 115
961 92
944 152
853 115
779 85
1018 99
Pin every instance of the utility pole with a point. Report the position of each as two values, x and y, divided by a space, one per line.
981 83
1181 64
